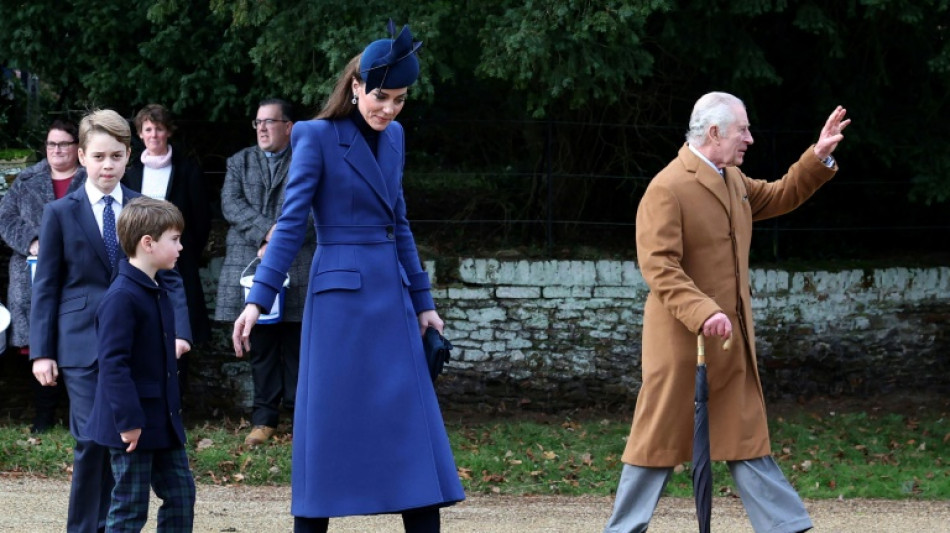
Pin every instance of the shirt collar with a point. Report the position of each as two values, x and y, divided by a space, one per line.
276 154
708 162
95 194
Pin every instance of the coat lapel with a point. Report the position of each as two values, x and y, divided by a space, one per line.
133 177
82 213
358 155
706 176
171 181
390 162
263 169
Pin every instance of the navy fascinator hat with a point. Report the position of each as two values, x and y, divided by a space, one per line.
391 63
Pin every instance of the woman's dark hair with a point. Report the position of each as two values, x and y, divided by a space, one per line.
156 114
340 104
66 125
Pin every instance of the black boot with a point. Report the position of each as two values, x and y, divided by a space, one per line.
310 525
424 520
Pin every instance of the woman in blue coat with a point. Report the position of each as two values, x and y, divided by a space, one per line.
368 433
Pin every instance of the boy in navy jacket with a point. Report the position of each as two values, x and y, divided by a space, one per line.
137 409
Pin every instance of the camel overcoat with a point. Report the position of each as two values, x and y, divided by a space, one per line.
694 228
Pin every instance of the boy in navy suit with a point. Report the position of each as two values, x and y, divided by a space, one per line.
79 253
137 410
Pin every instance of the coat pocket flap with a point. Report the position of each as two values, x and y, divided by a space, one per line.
69 305
149 389
329 280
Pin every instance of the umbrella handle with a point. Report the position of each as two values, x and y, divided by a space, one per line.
701 348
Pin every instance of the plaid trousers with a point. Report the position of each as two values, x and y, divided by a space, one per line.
165 471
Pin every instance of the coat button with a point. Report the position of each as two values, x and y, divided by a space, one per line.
389 233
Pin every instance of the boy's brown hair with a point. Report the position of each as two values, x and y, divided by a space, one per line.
105 121
146 216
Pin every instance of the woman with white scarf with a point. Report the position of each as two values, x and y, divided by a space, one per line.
168 174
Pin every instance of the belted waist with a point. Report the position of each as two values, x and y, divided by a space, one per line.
355 234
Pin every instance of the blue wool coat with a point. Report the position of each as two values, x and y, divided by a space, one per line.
138 373
368 433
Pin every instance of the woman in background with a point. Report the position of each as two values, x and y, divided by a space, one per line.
167 174
21 212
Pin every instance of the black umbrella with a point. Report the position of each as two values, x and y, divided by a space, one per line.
702 468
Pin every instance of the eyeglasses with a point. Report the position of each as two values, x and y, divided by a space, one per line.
267 122
61 145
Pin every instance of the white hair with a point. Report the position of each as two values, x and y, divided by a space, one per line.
712 109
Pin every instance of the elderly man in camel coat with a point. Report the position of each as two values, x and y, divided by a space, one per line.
694 228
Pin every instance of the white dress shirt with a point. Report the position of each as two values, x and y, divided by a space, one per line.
95 198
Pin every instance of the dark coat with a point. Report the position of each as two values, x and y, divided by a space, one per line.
138 377
21 212
251 201
188 191
72 275
368 433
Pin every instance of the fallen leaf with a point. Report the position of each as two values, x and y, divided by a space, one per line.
204 444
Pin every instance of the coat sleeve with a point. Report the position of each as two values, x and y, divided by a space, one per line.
769 199
46 287
115 341
176 293
419 285
306 170
247 220
659 230
17 231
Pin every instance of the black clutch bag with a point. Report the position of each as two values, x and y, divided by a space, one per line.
437 350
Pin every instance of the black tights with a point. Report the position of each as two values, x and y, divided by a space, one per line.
425 520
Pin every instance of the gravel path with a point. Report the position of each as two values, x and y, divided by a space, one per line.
39 505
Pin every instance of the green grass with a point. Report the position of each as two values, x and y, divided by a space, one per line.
854 455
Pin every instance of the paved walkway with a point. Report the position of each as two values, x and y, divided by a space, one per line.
38 505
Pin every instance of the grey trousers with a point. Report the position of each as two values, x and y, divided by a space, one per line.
769 499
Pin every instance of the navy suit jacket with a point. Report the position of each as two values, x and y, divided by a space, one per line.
72 274
138 372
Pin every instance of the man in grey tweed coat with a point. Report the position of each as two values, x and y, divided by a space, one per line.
251 199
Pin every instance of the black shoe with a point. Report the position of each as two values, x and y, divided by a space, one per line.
41 426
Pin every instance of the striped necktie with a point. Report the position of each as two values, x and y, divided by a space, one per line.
108 231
